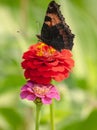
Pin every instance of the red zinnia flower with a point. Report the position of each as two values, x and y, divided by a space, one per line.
42 63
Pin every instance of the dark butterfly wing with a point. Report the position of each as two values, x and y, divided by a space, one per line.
55 32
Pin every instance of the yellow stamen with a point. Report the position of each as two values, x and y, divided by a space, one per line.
40 90
44 50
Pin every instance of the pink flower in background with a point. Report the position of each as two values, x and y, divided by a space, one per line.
33 91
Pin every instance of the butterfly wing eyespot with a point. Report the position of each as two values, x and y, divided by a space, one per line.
55 32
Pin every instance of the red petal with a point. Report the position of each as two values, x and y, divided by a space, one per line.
27 54
59 77
43 68
58 68
28 64
53 63
41 80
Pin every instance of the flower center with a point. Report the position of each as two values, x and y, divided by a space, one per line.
40 90
44 50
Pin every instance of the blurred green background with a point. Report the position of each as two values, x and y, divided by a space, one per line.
20 21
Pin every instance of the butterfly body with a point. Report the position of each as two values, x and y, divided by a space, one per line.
55 32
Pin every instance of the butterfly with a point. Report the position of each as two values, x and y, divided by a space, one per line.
55 32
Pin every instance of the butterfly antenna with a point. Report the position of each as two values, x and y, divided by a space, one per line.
38 27
38 30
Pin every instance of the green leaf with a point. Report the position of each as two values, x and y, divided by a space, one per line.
11 82
12 117
87 124
91 122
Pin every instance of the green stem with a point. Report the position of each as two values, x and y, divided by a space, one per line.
52 116
38 108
